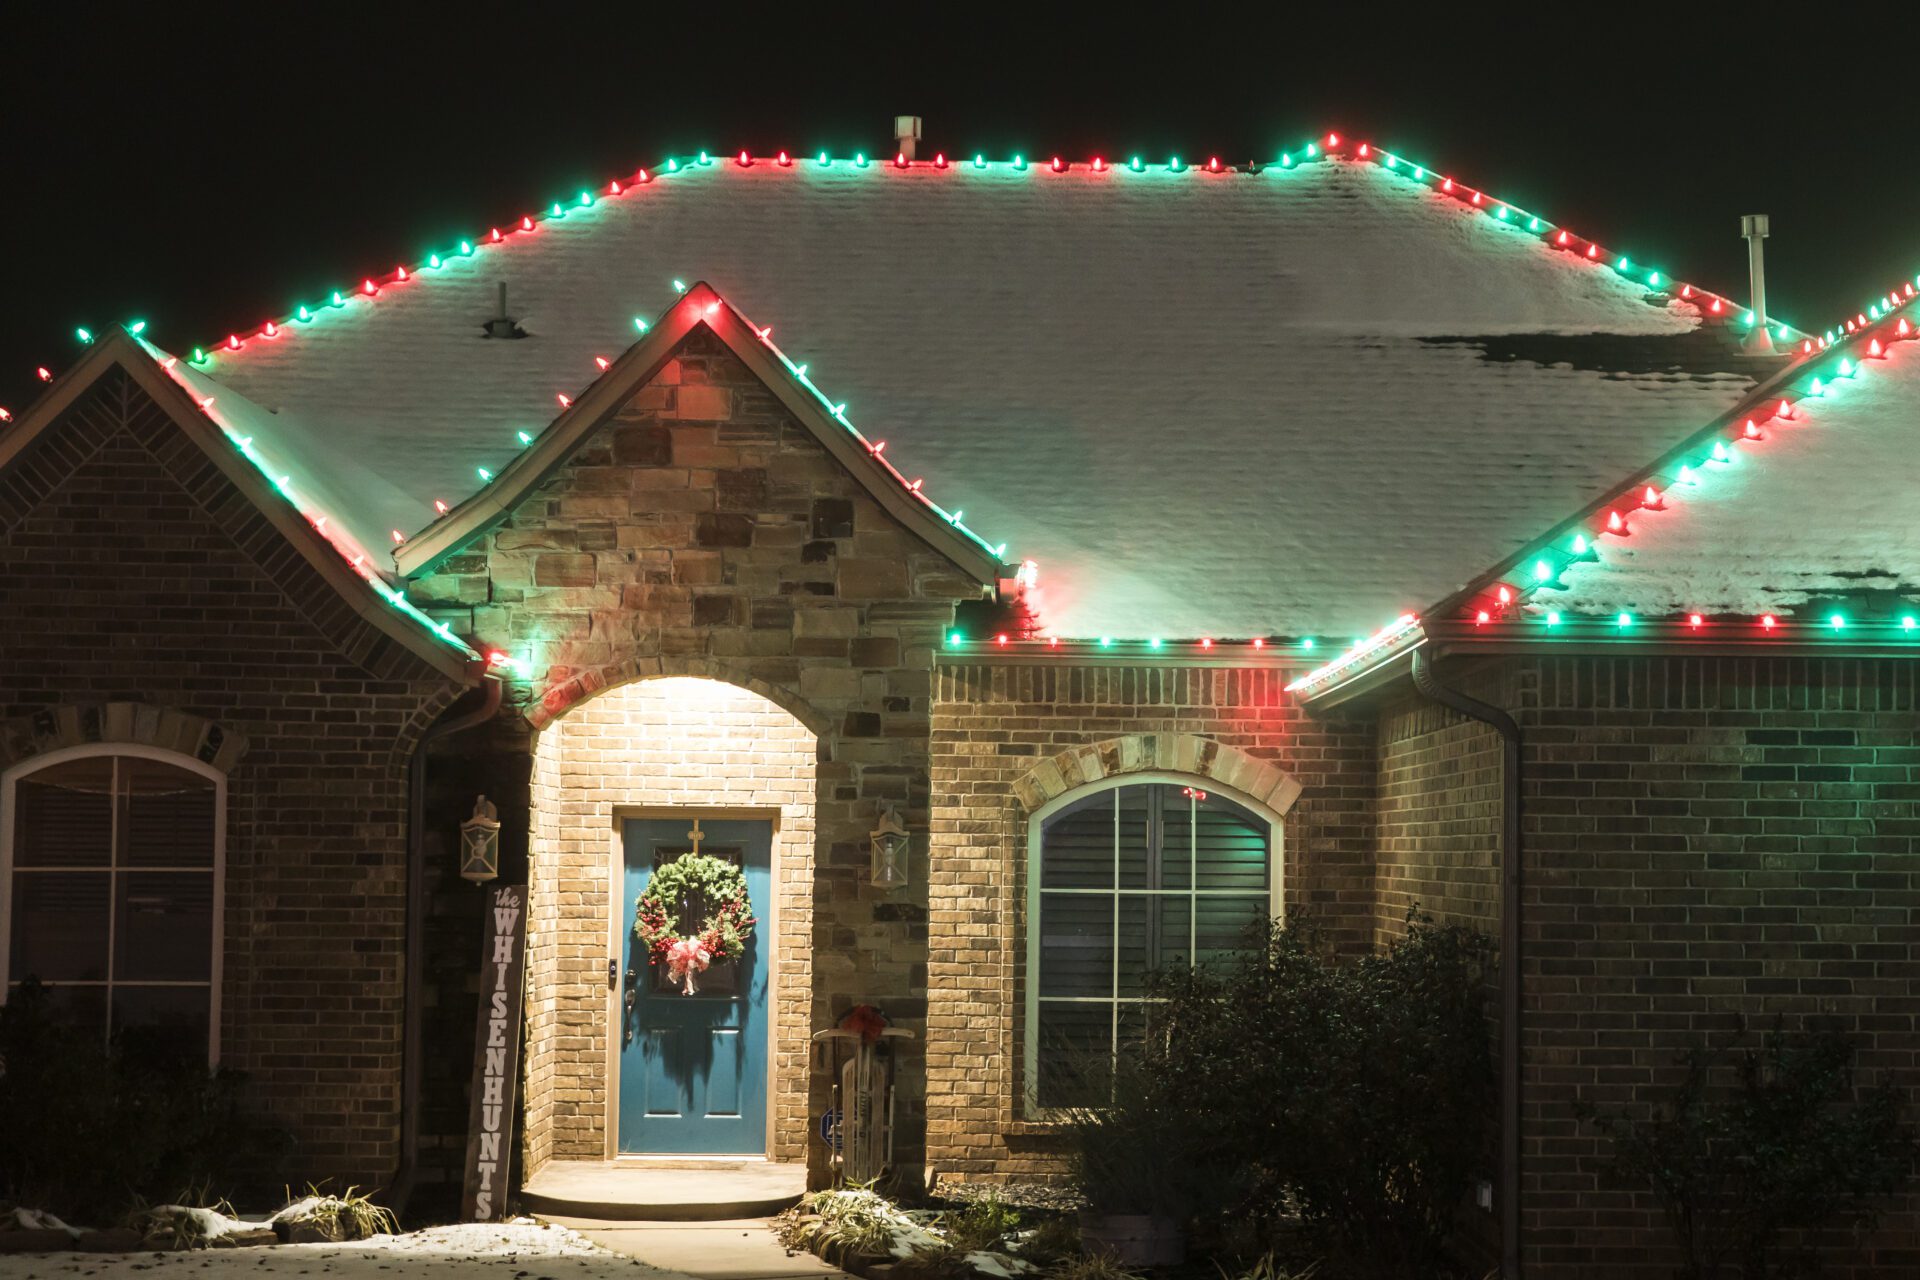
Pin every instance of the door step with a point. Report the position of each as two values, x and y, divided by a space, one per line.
673 1190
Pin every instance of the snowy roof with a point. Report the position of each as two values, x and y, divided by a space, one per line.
1292 401
1817 508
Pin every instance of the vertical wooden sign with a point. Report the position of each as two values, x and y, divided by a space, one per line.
496 1056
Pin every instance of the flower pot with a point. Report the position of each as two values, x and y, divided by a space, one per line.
1135 1239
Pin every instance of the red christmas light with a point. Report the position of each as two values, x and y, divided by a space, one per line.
1213 164
398 537
526 223
1766 621
939 159
1650 497
784 160
1259 643
43 373
1752 430
1615 523
1099 165
743 160
1057 165
900 160
603 362
368 287
233 342
614 188
1206 642
400 273
564 402
1482 618
439 506
1693 620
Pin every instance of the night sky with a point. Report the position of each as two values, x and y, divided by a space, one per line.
209 169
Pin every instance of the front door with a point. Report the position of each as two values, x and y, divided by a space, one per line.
693 1068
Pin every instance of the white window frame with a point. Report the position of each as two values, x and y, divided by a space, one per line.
1036 828
27 768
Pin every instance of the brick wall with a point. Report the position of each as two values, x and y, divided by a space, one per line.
133 574
702 531
1438 841
670 743
1008 736
1706 837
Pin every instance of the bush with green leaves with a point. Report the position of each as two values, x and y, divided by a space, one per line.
1352 1092
1760 1148
94 1130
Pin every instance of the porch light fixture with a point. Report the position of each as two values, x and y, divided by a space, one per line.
889 841
480 843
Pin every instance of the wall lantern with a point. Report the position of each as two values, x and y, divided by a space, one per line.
480 843
890 842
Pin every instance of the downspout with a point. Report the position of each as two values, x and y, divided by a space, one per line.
1486 713
412 1034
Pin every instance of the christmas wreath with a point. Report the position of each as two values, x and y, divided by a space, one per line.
723 936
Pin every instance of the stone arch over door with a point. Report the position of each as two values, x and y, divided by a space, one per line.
1183 753
562 695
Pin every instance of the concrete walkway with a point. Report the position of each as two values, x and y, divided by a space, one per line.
737 1249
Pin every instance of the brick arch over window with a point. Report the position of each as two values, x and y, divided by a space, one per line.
583 685
120 723
1229 767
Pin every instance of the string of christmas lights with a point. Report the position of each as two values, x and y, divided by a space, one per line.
1330 146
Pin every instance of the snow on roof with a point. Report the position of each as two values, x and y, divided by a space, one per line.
312 486
1295 401
1818 509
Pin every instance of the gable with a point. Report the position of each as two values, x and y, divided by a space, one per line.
1288 401
120 385
702 317
129 561
698 518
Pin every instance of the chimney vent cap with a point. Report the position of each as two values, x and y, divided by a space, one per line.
1753 224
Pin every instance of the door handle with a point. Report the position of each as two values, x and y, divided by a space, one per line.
613 971
632 996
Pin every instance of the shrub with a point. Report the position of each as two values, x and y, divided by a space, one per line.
1758 1141
1354 1092
96 1129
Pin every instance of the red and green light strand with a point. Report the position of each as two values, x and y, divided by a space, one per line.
836 410
1512 594
336 537
1330 146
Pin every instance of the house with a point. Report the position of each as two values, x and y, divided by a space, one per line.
1336 529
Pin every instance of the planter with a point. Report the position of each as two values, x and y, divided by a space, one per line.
1135 1239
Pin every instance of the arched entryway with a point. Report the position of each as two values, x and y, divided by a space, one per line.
624 782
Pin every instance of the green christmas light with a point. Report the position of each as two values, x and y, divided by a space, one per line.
466 247
525 438
979 161
1106 642
1286 161
1542 571
84 335
705 158
433 259
1909 622
673 165
1721 453
1019 162
954 639
823 160
1553 617
1307 644
1135 163
1154 643
679 286
860 158
586 198
1837 622
1175 165
303 314
486 476
1579 544
1624 621
199 356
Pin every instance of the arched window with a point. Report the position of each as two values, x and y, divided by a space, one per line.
1126 879
112 858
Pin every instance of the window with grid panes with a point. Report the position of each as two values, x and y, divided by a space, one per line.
1130 880
112 897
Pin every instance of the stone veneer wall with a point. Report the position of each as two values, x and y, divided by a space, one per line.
1007 737
147 600
702 531
671 743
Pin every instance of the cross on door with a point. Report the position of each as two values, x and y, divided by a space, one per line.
696 835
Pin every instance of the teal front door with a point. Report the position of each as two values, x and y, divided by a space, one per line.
693 1068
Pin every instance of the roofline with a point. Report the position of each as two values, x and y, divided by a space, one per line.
118 348
701 305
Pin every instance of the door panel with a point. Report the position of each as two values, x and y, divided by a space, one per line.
693 1069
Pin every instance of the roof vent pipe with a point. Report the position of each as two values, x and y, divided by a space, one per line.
503 325
906 134
1754 227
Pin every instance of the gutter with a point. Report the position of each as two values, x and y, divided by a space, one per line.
1486 713
407 1173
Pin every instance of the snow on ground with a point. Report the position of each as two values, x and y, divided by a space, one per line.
511 1251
